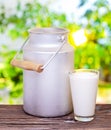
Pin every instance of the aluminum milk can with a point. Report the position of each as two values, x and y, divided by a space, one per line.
47 94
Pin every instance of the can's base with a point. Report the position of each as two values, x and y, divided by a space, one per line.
48 115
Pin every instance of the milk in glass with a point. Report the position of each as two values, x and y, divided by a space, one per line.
84 84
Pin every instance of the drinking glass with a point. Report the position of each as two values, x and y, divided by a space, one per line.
84 84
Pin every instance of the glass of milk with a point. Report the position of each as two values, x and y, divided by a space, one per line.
84 84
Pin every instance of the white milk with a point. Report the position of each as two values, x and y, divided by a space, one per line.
84 90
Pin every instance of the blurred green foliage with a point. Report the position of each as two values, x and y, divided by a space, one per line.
33 14
96 53
10 77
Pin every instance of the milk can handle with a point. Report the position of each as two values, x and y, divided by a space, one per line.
29 65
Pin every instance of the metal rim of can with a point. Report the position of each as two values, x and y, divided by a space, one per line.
48 30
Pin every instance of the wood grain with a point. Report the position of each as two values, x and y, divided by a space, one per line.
14 118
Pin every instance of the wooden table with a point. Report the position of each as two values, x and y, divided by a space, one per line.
14 118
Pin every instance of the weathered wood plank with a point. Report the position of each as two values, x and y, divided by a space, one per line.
14 118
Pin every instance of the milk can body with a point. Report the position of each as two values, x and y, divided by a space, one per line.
47 94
